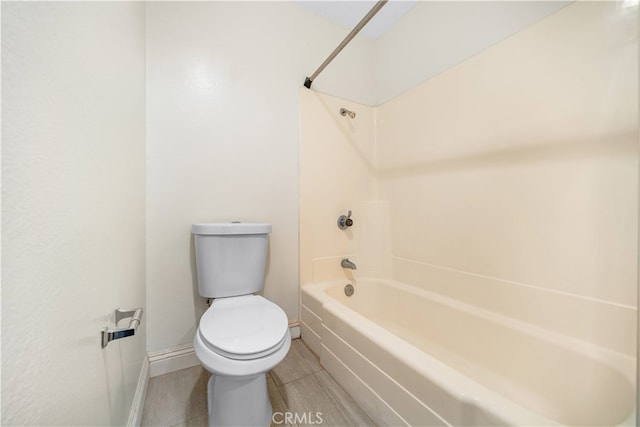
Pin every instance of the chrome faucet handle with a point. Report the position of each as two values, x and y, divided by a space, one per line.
345 221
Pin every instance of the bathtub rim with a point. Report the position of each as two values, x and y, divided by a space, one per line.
457 385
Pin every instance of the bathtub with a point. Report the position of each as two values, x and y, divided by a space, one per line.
409 356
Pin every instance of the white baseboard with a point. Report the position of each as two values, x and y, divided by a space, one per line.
172 359
294 330
135 415
183 356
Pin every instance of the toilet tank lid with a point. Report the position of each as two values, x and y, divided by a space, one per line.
230 228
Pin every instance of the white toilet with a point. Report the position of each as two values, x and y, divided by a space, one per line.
241 336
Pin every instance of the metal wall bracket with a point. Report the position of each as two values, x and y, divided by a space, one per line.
109 335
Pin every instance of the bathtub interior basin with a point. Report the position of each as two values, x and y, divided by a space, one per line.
463 365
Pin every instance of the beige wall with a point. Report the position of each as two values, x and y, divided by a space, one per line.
73 171
222 114
436 35
511 179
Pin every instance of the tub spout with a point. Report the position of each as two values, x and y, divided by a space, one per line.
345 263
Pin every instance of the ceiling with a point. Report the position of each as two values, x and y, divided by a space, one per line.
349 13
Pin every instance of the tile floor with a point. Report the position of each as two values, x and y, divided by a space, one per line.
298 385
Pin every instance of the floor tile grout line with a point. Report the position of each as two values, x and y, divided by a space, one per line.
299 378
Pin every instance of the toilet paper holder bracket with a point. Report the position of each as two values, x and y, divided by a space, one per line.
109 335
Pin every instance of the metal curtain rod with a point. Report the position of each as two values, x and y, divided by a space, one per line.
351 35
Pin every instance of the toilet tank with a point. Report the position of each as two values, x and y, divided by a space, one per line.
230 257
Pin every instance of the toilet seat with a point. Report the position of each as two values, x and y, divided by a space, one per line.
246 327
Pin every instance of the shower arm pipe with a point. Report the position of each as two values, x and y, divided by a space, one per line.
350 36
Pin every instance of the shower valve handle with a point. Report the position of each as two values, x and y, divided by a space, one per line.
345 221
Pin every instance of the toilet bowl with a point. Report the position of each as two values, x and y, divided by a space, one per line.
238 340
241 336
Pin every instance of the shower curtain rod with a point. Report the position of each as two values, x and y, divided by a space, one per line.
351 35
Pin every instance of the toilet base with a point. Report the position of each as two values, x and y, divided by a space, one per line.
238 401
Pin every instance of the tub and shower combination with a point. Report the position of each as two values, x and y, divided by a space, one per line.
411 356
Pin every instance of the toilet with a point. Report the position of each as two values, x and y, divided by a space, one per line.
241 336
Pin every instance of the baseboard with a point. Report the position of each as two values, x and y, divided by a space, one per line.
135 415
172 359
183 356
294 330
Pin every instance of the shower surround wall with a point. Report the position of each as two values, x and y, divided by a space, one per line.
337 159
516 174
509 181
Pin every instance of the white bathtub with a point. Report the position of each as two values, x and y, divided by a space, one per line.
410 356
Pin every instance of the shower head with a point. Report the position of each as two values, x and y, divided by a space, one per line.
345 112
